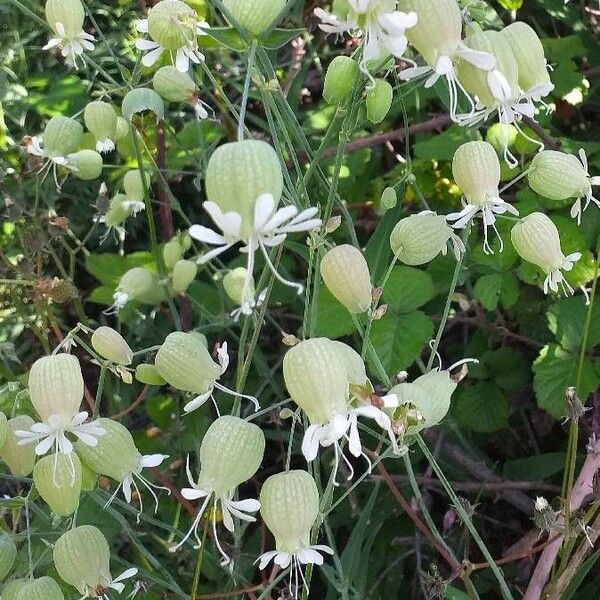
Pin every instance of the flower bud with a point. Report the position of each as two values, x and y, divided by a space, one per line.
476 171
173 85
82 559
133 185
184 274
234 284
289 506
19 459
389 198
231 452
43 588
70 13
256 16
101 120
57 478
315 377
501 135
11 590
438 29
56 385
346 275
172 253
3 428
528 51
8 555
115 455
340 79
238 173
558 176
418 239
165 24
85 164
185 363
148 374
379 101
109 344
353 363
62 136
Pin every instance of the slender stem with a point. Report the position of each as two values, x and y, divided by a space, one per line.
244 105
446 312
465 518
198 569
101 380
571 457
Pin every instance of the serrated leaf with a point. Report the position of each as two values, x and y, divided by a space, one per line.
507 368
482 407
443 145
333 319
408 289
398 338
566 320
497 288
555 370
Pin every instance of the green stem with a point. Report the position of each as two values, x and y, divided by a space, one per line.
198 569
246 93
506 594
446 312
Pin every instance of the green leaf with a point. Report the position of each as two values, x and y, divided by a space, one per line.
333 319
535 468
443 145
408 289
378 251
580 576
280 37
482 407
140 100
566 320
511 4
225 36
108 268
497 288
555 370
507 368
398 338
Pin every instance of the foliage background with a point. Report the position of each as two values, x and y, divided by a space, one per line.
503 443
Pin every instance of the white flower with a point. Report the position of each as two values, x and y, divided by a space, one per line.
492 205
115 584
577 209
511 105
52 433
229 509
378 21
72 46
344 426
129 482
198 401
304 556
271 227
183 56
35 147
444 67
555 277
247 308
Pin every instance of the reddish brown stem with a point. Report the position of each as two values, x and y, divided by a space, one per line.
133 405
